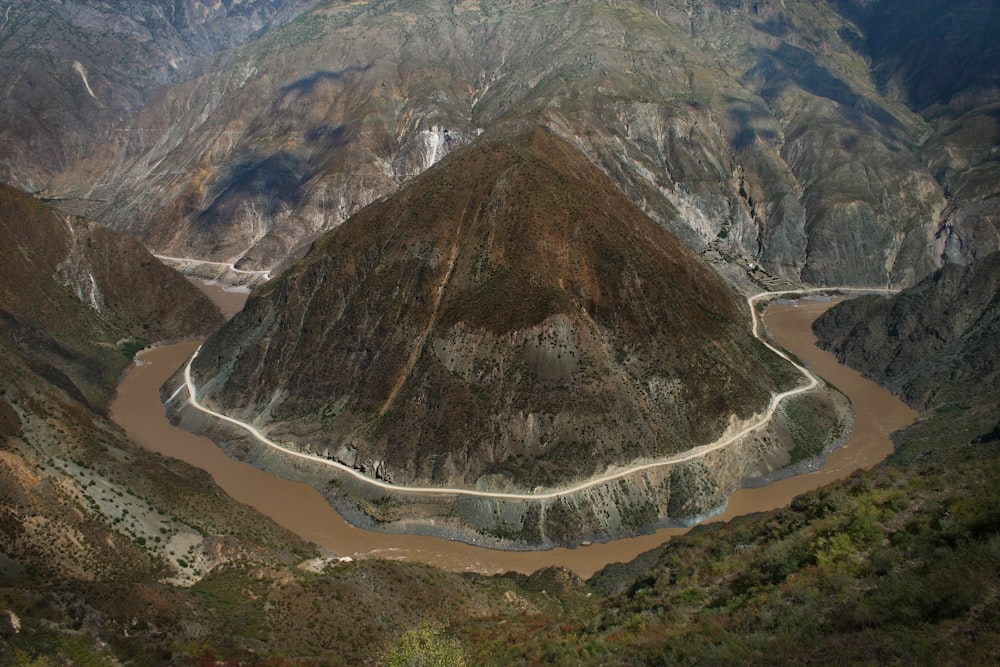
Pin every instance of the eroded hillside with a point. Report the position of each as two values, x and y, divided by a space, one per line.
509 314
769 130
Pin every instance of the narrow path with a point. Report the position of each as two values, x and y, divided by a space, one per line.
418 347
266 275
691 454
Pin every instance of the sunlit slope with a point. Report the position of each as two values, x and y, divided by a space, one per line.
508 313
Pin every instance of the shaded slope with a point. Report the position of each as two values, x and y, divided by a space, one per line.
936 342
73 71
943 60
751 126
77 300
78 501
507 313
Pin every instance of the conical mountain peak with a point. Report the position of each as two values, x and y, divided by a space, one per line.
507 314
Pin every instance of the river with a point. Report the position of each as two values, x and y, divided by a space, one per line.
301 509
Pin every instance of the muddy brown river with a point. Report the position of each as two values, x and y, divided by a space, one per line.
303 510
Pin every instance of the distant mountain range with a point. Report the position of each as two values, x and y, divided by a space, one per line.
76 72
826 142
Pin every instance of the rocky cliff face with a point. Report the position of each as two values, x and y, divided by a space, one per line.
935 342
508 318
74 71
758 128
76 299
944 62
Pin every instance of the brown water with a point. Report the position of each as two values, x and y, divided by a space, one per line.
303 510
877 413
230 301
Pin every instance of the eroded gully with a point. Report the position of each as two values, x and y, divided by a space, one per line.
303 510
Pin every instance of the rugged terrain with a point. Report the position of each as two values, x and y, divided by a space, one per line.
790 134
508 314
75 304
99 539
844 141
897 564
77 300
931 343
75 72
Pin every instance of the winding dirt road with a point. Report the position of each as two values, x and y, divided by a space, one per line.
691 454
229 266
303 510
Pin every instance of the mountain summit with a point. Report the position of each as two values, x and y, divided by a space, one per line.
509 313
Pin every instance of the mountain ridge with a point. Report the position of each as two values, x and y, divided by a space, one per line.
929 340
723 121
446 336
80 502
75 71
843 141
70 288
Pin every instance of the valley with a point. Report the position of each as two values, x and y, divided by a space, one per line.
296 506
489 333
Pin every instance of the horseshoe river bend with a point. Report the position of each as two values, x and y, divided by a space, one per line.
138 409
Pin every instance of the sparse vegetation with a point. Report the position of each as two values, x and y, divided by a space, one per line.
771 130
814 423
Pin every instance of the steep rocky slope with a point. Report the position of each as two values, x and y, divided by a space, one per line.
75 296
757 127
73 71
508 315
100 539
78 501
76 301
934 343
944 62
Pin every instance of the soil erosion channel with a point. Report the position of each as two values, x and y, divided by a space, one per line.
303 510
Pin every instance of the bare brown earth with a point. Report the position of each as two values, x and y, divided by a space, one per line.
306 512
509 318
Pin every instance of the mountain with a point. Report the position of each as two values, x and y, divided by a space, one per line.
77 300
932 343
78 501
508 317
784 134
841 141
943 62
102 540
74 71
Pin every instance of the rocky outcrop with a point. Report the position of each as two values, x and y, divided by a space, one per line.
506 319
931 343
788 153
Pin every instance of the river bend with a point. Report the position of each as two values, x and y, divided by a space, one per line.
301 509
